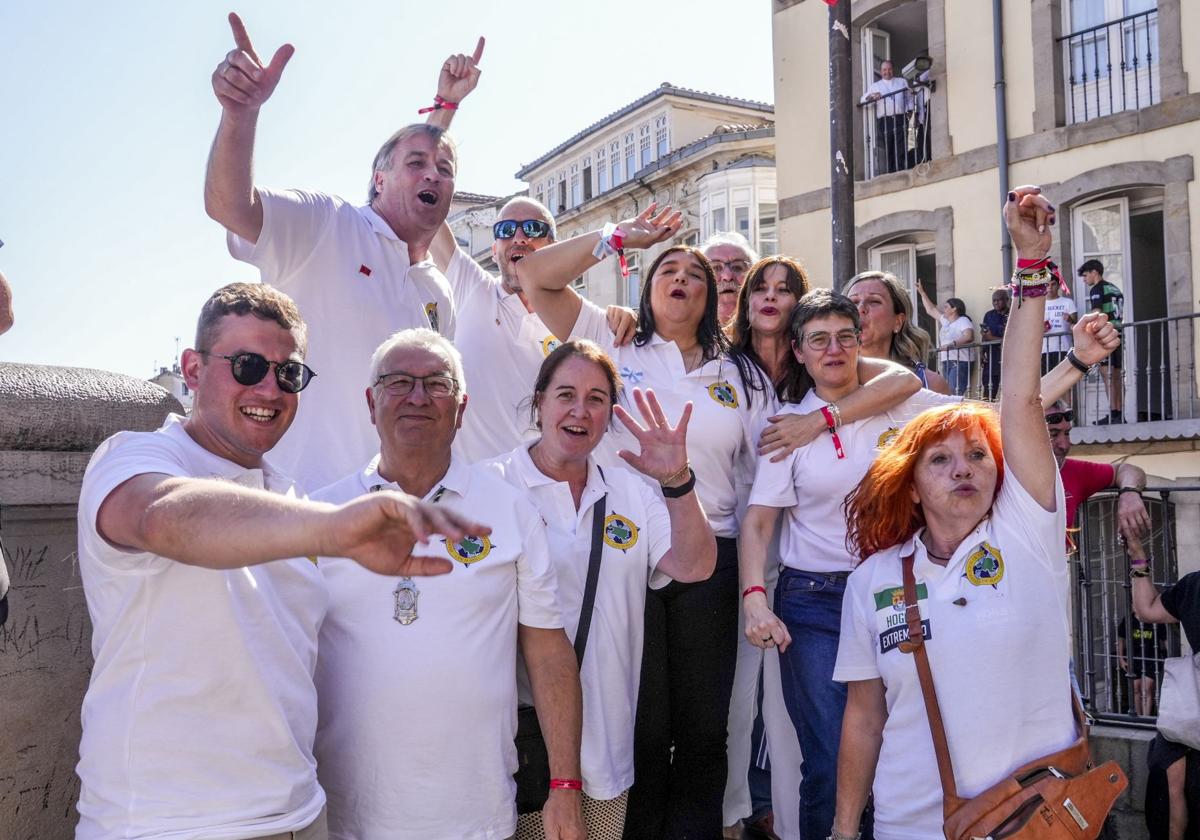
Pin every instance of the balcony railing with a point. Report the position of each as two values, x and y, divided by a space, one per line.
1117 660
896 129
1111 67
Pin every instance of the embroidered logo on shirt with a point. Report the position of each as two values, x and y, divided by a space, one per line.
620 532
985 565
364 271
724 393
631 376
890 618
887 437
432 314
549 345
469 549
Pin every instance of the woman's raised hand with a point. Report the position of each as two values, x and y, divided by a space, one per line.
1028 215
648 229
663 446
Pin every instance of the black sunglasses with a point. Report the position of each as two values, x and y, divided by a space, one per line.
533 228
251 368
1059 416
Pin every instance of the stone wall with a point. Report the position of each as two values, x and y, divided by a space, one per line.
51 419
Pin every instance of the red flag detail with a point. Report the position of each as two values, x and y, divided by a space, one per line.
363 270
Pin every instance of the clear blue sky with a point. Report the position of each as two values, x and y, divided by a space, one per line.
107 115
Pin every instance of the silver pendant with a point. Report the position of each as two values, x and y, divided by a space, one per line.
406 601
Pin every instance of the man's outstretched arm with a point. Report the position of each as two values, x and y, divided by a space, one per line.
242 83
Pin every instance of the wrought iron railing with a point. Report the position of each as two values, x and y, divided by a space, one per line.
896 133
1112 67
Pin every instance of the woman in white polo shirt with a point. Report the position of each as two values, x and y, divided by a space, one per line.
975 504
644 536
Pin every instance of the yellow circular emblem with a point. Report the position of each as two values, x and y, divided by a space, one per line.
887 437
985 566
469 549
620 532
724 393
549 345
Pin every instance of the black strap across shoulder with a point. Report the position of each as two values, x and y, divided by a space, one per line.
593 576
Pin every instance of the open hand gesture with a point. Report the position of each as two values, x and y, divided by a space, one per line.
241 82
460 75
663 446
1028 215
380 531
648 229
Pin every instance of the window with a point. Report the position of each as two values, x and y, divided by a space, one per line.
540 196
562 194
601 175
615 157
644 145
768 232
1111 57
587 177
633 285
579 284
741 221
718 220
630 159
576 196
660 137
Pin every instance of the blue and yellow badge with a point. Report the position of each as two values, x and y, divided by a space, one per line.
620 532
469 549
985 565
724 393
888 435
549 345
432 314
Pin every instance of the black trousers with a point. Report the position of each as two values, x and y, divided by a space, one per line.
890 133
683 706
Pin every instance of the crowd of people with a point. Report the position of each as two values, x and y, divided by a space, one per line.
520 566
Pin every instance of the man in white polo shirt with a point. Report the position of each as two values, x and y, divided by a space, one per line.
418 680
201 712
360 272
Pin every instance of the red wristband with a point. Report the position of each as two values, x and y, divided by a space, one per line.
566 784
753 589
1033 263
837 441
439 104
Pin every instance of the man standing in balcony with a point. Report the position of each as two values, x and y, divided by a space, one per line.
1061 315
1084 479
1107 298
731 256
892 104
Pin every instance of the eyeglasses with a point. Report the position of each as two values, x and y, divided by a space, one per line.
1059 416
400 384
532 228
820 341
735 266
251 368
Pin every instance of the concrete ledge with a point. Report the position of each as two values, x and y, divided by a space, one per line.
41 478
63 409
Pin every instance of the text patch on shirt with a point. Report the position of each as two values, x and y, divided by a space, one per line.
889 616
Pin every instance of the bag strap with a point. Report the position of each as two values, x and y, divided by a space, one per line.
593 576
916 646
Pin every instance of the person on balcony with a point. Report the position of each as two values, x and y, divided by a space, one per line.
1104 297
893 102
1061 315
994 321
956 339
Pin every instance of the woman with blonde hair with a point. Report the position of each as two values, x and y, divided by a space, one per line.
889 330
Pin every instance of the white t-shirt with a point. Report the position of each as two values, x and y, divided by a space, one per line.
637 535
998 660
502 344
892 102
1057 313
812 482
952 331
350 275
417 720
722 444
199 718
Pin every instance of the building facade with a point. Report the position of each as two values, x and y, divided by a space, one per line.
711 157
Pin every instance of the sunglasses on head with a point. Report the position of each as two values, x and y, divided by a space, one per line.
1059 416
251 368
532 228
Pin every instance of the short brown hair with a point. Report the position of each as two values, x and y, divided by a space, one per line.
584 349
257 299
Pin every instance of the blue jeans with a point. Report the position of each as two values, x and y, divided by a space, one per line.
810 604
958 375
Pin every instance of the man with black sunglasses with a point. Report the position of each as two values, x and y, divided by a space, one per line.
198 563
1084 479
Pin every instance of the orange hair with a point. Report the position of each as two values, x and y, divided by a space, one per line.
880 512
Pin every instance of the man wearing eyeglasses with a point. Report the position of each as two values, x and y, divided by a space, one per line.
731 256
360 272
1084 479
418 679
197 561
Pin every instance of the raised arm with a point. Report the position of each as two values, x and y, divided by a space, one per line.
545 274
663 457
442 248
221 525
1028 216
930 307
458 77
242 84
1094 339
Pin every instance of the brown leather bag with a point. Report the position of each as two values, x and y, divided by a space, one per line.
1058 796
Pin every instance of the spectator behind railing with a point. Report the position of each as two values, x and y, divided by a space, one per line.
956 340
994 322
1061 314
893 102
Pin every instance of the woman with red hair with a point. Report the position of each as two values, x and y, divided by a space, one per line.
973 501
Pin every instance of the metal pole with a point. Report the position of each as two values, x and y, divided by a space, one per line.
1006 251
841 144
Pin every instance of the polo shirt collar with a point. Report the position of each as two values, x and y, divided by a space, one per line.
531 477
457 478
263 478
922 565
377 223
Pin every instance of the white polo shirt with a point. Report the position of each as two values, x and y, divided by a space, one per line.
417 720
503 345
997 657
637 535
199 718
350 275
722 443
812 482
